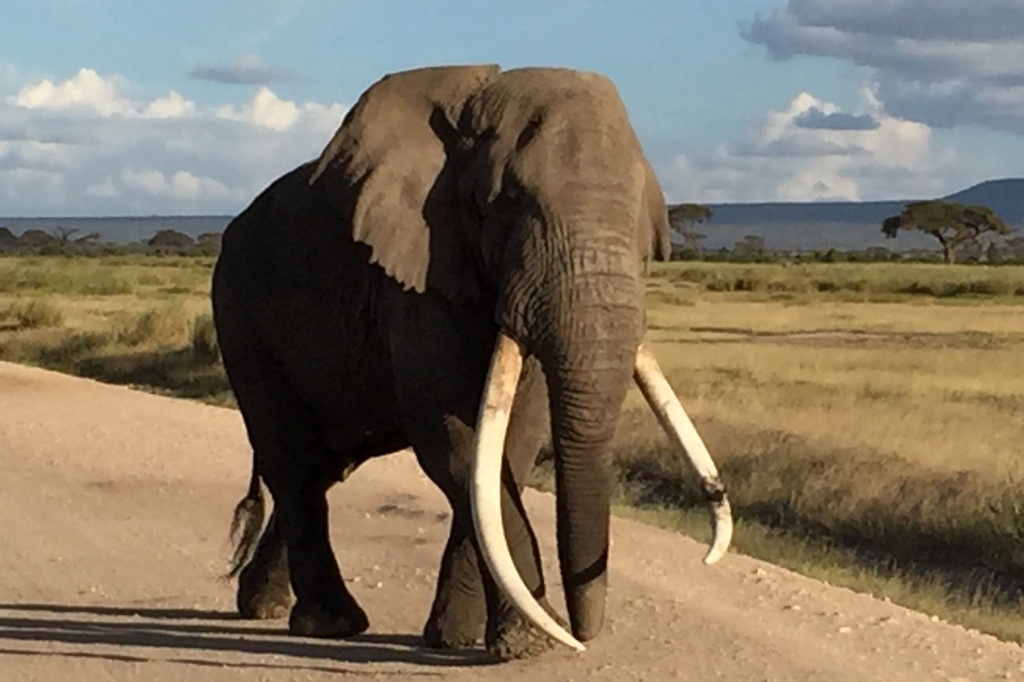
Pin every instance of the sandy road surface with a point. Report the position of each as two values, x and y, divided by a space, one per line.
114 507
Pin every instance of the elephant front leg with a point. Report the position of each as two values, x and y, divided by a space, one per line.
469 609
460 616
459 612
509 635
467 606
440 357
264 589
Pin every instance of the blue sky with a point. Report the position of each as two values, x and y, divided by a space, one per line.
136 107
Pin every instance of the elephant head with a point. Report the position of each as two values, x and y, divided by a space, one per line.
526 192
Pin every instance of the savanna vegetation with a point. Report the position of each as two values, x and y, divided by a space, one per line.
866 416
967 234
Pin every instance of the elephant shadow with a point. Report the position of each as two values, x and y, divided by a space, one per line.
203 638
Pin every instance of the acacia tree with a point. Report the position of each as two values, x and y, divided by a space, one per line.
951 223
64 234
683 218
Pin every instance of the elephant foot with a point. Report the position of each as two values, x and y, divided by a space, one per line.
316 620
263 595
454 630
514 637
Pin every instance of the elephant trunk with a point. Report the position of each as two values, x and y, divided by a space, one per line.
586 390
585 332
572 298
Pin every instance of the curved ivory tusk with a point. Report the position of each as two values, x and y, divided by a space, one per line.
485 492
663 401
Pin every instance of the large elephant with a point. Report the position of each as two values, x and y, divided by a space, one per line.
459 273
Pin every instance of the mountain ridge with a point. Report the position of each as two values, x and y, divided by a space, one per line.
1005 196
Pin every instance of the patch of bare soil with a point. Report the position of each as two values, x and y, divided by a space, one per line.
862 338
115 508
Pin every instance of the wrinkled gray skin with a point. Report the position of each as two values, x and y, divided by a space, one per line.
358 299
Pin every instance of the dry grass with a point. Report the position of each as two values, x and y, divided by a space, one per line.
873 444
143 321
866 420
30 315
868 281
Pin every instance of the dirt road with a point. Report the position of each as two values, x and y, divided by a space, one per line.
115 506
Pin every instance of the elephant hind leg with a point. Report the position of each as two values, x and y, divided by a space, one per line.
288 444
264 586
288 440
259 561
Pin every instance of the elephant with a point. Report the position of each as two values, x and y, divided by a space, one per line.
459 273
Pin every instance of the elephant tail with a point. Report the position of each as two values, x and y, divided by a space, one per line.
247 523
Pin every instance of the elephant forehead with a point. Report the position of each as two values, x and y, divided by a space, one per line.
516 97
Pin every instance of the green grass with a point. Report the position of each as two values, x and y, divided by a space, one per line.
863 279
865 417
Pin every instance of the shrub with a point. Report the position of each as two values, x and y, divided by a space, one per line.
160 327
33 315
203 341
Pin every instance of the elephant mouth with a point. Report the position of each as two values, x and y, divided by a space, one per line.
485 498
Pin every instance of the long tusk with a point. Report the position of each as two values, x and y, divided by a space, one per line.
663 401
485 492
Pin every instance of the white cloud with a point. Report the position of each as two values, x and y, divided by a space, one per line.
172 106
177 185
270 111
266 109
89 145
784 159
941 62
86 90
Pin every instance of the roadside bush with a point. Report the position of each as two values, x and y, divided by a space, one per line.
158 327
203 341
33 314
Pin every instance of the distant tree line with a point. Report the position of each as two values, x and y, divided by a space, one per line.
966 234
68 241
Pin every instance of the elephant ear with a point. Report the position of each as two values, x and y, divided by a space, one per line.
385 170
654 225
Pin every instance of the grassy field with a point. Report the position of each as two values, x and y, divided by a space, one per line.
866 417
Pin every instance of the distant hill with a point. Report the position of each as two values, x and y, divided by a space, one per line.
846 224
1005 197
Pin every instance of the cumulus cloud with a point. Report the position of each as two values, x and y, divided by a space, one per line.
86 90
266 109
244 70
86 145
270 111
178 185
172 106
812 150
941 62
